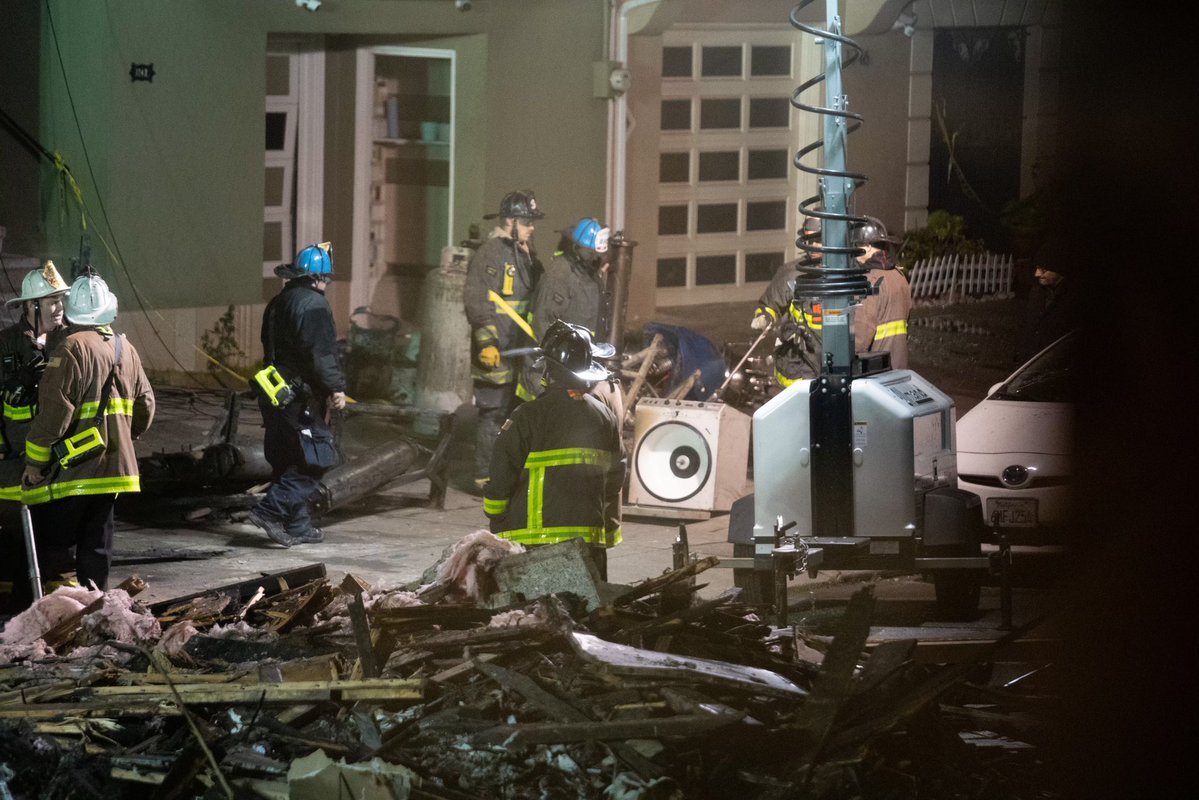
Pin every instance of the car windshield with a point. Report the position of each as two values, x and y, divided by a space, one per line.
1045 379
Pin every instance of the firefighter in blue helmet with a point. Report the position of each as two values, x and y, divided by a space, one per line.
558 467
572 289
299 388
499 283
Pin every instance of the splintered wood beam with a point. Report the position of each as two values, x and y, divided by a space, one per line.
243 590
652 585
150 700
566 732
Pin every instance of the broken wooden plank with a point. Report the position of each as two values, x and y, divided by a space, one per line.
652 585
616 730
624 660
377 689
362 626
244 590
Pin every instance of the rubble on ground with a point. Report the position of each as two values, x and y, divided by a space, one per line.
309 689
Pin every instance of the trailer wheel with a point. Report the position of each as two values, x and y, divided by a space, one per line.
757 587
958 592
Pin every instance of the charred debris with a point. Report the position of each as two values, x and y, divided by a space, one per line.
501 674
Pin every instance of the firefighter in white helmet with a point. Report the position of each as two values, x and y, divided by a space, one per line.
24 347
93 401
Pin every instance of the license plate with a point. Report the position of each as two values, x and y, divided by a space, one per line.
1012 512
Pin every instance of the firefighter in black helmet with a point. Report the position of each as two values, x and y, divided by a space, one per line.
558 466
797 324
499 283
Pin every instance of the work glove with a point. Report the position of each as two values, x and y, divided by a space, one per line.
490 356
761 322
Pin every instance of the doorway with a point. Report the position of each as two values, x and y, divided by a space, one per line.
405 173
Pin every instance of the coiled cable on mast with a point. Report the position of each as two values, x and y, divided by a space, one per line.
816 279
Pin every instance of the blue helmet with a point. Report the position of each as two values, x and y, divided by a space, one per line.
588 233
315 259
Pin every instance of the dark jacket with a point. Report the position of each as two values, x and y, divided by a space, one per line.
299 338
496 270
570 291
69 398
557 472
881 322
22 361
797 353
1048 317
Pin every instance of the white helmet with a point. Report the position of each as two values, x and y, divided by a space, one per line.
90 302
39 283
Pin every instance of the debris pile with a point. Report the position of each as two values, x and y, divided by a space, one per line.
293 686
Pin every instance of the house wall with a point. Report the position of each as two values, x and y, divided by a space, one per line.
178 162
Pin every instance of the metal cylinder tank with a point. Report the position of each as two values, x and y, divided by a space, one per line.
443 366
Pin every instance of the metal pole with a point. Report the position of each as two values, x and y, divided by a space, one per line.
619 270
35 572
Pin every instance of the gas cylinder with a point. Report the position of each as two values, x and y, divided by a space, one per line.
443 380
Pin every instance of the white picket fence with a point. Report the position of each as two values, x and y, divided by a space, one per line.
952 279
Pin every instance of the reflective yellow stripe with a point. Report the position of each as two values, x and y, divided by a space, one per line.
35 452
115 406
537 462
486 335
784 381
766 310
591 535
812 321
18 413
536 495
81 486
514 312
524 394
897 328
11 493
568 455
494 506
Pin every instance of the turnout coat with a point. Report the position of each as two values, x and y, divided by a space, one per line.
69 399
557 472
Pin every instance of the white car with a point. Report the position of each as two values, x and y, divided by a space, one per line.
1015 450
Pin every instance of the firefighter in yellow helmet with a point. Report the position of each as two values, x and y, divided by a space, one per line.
24 347
93 401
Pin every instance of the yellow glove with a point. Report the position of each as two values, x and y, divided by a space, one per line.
490 356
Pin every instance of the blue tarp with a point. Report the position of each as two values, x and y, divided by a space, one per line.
690 351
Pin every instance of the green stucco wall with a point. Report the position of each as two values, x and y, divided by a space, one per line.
177 162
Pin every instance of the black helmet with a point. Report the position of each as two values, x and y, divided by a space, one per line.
870 230
520 204
570 355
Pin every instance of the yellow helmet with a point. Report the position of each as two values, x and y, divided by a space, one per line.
39 283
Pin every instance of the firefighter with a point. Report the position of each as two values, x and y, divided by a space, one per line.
499 283
93 401
23 350
797 328
557 470
881 322
572 290
299 345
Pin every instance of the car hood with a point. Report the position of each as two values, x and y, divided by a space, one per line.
1013 426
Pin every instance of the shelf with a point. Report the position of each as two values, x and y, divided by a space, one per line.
399 142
